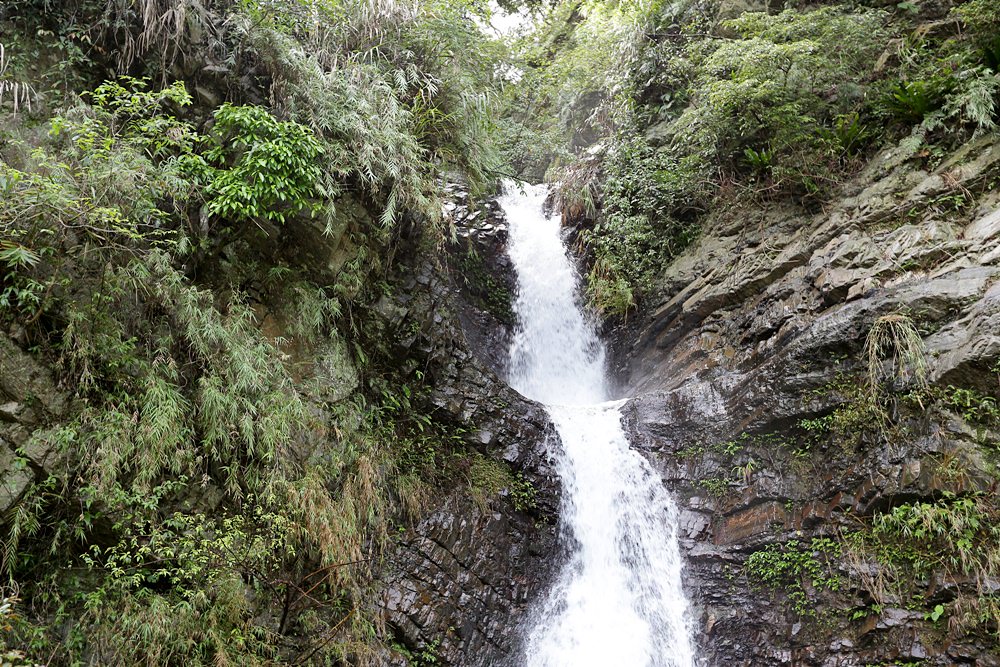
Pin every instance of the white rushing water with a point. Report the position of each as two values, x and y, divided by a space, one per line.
618 600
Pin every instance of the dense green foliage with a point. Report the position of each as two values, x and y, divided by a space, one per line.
172 171
954 537
208 499
652 113
261 166
800 571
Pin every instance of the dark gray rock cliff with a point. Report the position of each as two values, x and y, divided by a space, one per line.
759 330
461 582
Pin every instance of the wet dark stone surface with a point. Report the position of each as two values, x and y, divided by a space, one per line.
757 328
461 582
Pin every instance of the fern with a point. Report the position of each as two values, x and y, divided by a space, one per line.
975 99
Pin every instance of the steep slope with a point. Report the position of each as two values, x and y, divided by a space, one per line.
823 523
241 423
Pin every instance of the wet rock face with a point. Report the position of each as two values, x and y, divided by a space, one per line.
484 276
463 582
460 583
758 327
761 325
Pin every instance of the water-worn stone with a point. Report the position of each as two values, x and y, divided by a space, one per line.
462 579
962 351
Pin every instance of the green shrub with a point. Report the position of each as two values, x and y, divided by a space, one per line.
953 536
778 86
644 193
399 93
973 101
949 86
607 290
110 179
982 19
262 167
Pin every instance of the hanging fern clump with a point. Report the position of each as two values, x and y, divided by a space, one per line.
895 349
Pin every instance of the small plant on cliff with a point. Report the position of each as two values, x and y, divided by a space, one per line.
894 347
426 656
717 486
263 168
955 537
801 570
975 407
911 101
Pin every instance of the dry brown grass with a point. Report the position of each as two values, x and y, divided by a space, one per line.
895 350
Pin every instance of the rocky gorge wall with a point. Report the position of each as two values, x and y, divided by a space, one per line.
461 581
760 331
757 336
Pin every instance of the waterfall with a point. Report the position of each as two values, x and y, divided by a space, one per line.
618 599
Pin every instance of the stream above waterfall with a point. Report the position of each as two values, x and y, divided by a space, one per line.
618 598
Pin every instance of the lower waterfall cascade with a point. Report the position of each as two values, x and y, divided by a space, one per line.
618 599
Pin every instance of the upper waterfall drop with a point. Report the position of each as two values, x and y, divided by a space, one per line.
618 599
556 357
